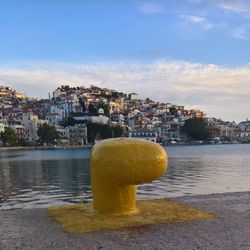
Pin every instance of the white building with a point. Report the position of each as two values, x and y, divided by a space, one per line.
21 131
53 118
2 127
150 126
160 111
78 134
245 135
32 123
55 109
226 131
62 131
114 107
58 92
170 131
144 134
133 96
99 119
101 111
102 119
117 118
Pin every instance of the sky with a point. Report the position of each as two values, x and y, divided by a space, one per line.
188 52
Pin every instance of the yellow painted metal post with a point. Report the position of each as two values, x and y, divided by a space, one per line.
117 166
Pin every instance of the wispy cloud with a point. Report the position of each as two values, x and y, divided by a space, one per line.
232 13
241 32
151 8
194 19
237 6
197 20
220 91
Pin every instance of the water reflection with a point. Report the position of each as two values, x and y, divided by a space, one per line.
44 178
39 183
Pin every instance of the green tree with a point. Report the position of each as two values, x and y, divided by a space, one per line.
103 131
8 137
47 134
105 108
98 131
196 129
82 103
92 109
173 110
69 122
117 131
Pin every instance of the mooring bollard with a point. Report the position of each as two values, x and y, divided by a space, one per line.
117 166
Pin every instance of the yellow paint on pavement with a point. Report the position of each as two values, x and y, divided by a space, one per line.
81 218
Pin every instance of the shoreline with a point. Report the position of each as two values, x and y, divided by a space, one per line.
42 147
90 146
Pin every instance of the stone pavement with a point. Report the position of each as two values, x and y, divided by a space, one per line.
35 229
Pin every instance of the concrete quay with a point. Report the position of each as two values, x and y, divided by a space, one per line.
36 229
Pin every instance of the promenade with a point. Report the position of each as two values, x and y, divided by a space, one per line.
35 229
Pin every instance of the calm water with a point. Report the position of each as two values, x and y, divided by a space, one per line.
43 178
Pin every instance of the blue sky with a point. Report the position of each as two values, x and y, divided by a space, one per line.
190 52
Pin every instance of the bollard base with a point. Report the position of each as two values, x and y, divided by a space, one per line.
81 218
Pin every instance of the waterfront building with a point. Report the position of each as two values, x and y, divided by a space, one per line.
226 132
31 122
144 134
244 125
21 131
117 118
126 110
78 134
2 127
63 133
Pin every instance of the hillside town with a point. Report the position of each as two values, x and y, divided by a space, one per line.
73 110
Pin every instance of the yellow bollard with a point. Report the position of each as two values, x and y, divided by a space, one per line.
117 166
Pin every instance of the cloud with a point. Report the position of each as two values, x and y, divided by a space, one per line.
197 20
236 6
194 19
151 8
231 13
241 32
220 91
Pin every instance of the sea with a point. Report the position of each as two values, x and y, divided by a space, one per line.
43 178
